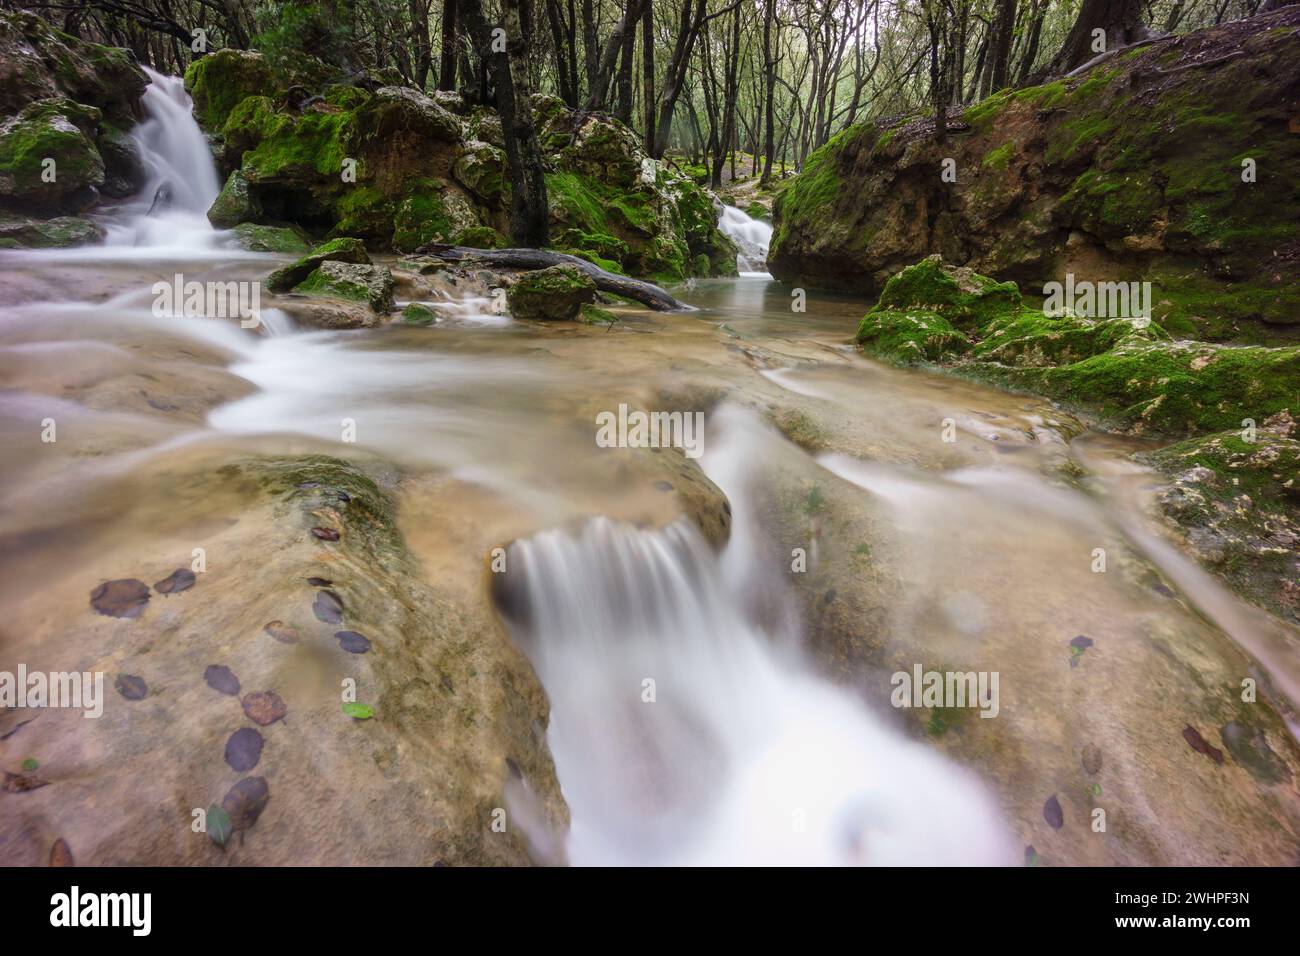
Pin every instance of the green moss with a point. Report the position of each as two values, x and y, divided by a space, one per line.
962 296
908 337
558 292
1000 157
257 238
220 81
335 250
417 314
594 315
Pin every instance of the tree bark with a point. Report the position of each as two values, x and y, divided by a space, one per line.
1121 22
647 293
447 60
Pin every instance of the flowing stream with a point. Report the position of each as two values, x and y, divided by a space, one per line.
707 705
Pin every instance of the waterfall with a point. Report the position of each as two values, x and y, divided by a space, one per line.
181 177
752 236
683 733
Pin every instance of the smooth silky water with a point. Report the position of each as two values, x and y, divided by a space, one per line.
753 751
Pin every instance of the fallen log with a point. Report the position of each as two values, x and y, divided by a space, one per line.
647 293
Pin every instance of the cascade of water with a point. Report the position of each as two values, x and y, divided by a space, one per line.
752 236
684 734
181 177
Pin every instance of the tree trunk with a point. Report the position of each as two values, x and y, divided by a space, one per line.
648 71
447 60
1000 44
1121 22
596 95
627 57
769 93
529 212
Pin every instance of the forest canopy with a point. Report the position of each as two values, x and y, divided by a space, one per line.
761 83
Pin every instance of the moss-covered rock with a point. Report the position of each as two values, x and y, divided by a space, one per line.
336 250
399 169
1127 372
1173 164
38 61
258 238
62 232
1235 497
556 293
222 80
48 160
348 280
417 314
234 204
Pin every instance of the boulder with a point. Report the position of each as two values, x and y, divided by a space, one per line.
336 250
555 293
347 280
39 62
235 204
61 232
259 238
1142 168
48 160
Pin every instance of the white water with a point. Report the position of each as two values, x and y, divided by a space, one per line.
752 236
178 160
745 756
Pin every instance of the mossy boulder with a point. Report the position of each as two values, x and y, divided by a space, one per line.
348 250
555 293
1235 496
222 80
258 238
235 203
61 232
1126 372
348 280
481 168
417 314
1175 162
38 61
48 160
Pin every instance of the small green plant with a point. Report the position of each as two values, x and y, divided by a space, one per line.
359 711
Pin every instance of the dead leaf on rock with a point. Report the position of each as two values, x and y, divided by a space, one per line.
61 853
328 607
182 579
22 782
222 679
131 687
1201 745
125 597
282 632
264 707
245 801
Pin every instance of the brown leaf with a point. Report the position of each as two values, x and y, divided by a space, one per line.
22 782
61 853
221 679
282 632
1201 745
131 687
328 607
1052 813
182 579
125 597
264 707
325 534
245 801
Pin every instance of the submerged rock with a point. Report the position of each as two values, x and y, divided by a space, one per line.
336 250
